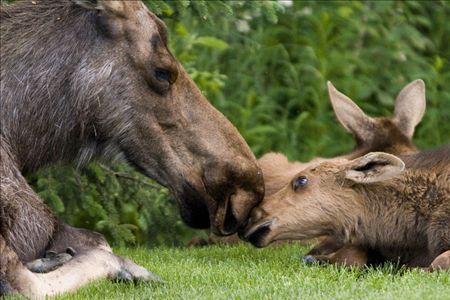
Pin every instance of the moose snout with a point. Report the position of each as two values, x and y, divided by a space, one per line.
237 189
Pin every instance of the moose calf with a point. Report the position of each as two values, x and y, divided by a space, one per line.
394 208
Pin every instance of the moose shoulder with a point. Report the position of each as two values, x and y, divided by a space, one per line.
82 79
396 208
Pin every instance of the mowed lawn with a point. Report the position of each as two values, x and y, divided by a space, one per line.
244 272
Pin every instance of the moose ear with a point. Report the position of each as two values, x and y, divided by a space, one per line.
115 7
350 115
410 107
374 167
90 4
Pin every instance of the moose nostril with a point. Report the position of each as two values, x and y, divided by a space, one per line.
231 223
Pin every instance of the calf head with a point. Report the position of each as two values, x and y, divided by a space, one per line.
319 200
161 122
392 135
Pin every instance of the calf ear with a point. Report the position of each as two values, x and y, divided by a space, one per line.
350 115
410 107
374 167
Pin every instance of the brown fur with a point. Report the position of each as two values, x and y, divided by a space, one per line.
84 79
403 218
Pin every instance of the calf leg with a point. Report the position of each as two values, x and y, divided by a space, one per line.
439 239
349 255
327 246
442 262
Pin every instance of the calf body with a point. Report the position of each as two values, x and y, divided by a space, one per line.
394 208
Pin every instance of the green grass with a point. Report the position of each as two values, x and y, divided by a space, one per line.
243 272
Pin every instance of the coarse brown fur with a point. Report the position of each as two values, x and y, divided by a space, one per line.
395 208
83 79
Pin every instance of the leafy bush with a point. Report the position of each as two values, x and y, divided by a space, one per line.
265 65
116 201
276 87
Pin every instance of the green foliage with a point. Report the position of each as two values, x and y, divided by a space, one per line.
215 11
275 90
125 206
265 66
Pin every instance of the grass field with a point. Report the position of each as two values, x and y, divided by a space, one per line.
243 272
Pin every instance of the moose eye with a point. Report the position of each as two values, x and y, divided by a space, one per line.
163 75
299 182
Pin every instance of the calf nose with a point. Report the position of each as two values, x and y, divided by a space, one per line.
256 215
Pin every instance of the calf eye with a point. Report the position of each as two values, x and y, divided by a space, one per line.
163 75
299 182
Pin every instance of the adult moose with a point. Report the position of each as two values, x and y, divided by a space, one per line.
82 79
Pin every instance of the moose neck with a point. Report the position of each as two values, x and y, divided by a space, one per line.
48 96
341 216
359 217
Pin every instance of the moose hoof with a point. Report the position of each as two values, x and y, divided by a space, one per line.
131 272
309 259
51 261
5 288
124 276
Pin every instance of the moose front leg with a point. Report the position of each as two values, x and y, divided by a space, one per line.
50 261
28 229
26 223
65 243
83 268
69 243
